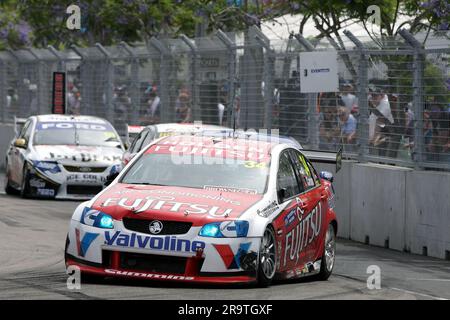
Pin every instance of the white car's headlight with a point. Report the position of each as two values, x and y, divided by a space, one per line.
47 166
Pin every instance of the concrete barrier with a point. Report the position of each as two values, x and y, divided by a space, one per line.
6 135
378 205
427 222
393 207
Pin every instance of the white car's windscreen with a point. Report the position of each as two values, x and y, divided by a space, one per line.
75 133
198 172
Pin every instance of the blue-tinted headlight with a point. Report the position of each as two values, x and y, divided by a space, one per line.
106 222
211 230
47 166
225 229
95 218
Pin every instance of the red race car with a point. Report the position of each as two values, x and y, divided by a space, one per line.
209 209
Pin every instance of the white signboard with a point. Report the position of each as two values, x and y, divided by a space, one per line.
318 72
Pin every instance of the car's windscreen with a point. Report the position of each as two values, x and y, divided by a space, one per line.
75 133
199 172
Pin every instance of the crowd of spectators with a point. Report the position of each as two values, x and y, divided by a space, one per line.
391 124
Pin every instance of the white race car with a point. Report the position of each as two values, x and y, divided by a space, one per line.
207 209
59 156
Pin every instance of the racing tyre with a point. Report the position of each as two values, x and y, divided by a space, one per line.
267 258
329 254
25 187
8 188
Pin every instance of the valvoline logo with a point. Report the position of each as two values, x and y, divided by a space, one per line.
165 243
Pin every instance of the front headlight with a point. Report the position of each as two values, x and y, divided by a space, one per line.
47 166
225 229
95 218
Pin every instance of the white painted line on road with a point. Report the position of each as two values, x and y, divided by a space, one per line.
415 279
418 294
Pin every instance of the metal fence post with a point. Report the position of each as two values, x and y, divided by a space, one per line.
418 103
196 112
313 115
83 80
109 83
363 104
269 69
20 88
164 75
40 81
3 91
231 47
135 86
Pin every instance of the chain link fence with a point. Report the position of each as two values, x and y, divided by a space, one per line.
393 103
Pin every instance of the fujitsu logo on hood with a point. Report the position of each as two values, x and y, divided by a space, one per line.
166 203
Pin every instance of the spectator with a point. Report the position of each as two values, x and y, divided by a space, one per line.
12 100
348 98
409 126
328 127
74 100
380 120
183 109
154 104
122 106
221 110
348 125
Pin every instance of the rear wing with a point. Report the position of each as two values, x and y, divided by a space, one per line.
325 157
18 125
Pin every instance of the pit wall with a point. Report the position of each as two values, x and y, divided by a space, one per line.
393 207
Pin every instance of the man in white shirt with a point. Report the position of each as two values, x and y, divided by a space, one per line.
380 115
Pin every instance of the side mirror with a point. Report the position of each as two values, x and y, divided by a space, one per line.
20 143
110 178
326 175
281 194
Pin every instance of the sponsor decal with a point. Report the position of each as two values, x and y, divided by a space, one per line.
181 194
267 211
322 70
303 234
45 192
85 157
155 227
245 153
233 229
290 217
86 177
166 243
70 125
167 204
148 275
229 189
84 243
37 183
230 259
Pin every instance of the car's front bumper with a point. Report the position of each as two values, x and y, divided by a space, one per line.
122 253
67 185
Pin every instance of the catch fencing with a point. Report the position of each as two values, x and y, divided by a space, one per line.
392 105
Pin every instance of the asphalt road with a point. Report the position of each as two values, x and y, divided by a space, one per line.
32 234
